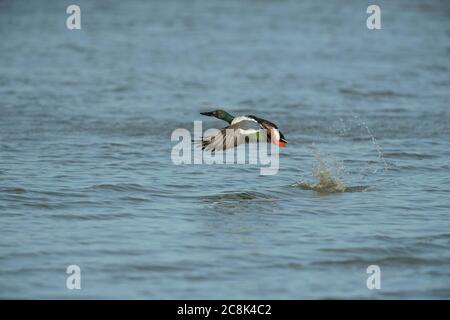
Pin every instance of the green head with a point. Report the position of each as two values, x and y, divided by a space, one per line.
219 114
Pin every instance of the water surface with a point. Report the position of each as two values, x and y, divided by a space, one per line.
86 176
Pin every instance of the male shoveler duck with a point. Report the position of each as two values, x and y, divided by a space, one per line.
240 128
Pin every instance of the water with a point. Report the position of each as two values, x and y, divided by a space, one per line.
85 170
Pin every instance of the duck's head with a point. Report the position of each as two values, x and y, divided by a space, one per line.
273 132
277 137
219 114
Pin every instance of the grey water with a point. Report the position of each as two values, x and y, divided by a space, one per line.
86 176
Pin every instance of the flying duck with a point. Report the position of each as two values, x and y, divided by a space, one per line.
240 130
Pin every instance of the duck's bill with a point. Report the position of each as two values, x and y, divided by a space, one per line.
210 113
281 143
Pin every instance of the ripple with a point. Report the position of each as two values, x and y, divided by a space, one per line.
374 93
409 155
239 196
159 268
119 187
135 199
13 190
387 260
91 216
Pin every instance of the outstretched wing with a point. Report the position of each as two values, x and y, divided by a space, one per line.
244 131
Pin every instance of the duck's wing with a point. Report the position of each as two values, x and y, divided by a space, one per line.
244 131
263 122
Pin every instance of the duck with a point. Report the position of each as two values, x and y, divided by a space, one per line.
241 129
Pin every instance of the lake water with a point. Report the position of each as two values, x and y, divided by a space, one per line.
86 176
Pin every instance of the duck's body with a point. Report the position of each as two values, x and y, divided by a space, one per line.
242 129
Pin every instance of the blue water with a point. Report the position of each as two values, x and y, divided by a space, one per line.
86 176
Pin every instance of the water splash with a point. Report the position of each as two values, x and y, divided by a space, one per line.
357 129
326 176
375 143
